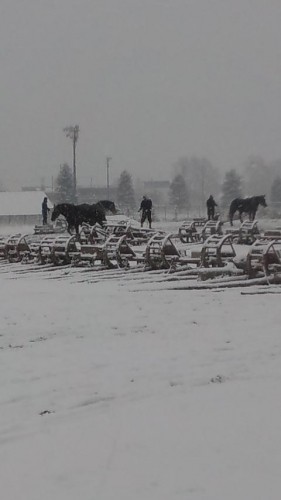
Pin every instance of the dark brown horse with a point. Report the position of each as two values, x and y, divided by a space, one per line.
246 205
108 206
75 215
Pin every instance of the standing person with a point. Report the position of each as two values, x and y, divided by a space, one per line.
45 210
211 204
145 208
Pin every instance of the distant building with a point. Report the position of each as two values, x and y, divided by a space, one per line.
23 207
158 191
94 194
30 188
87 195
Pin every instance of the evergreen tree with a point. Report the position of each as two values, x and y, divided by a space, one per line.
64 184
178 192
231 188
125 191
276 190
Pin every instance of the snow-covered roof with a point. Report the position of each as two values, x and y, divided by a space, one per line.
22 202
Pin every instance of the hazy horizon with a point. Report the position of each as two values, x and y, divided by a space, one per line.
148 82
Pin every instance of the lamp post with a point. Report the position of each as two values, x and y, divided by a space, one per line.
108 159
73 133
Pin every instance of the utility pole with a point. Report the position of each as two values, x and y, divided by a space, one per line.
202 188
73 133
108 159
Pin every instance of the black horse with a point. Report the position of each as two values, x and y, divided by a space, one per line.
108 206
246 205
75 215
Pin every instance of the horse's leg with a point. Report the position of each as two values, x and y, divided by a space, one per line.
231 215
78 235
70 225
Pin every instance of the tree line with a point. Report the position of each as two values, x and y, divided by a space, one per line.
64 186
193 180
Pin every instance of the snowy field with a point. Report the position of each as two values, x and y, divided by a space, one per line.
123 389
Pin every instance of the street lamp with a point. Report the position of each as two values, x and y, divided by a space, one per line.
108 159
73 133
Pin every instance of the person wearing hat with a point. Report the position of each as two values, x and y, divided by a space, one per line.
145 209
45 210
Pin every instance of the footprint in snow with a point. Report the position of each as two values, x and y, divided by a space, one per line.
218 379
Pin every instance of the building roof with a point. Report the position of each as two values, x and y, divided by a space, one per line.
22 202
157 184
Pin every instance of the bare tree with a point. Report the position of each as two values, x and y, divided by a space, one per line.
258 176
201 179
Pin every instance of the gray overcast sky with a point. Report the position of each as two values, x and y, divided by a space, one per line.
147 81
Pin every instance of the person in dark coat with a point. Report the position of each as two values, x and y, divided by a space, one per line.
146 208
211 204
45 210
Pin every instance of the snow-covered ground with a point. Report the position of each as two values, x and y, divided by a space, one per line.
122 389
